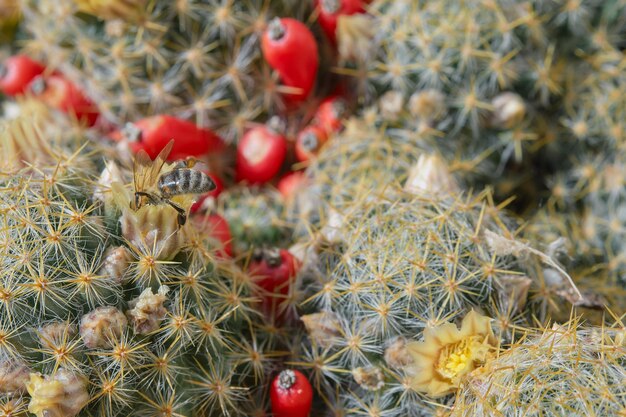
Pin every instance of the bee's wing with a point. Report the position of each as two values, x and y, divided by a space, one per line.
146 171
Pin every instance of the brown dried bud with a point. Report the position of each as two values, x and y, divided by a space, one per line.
370 378
391 105
102 326
63 394
147 311
56 333
428 105
323 328
397 355
13 376
116 261
509 110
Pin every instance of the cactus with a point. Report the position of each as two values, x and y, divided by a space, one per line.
563 370
398 264
414 296
256 218
371 154
199 61
102 320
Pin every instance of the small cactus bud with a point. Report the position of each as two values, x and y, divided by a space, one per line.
354 37
63 394
509 110
396 355
56 333
116 261
431 176
147 311
391 105
13 376
428 105
369 378
99 327
111 173
323 328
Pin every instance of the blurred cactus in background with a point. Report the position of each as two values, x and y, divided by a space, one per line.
200 61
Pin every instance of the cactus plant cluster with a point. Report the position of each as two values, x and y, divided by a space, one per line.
394 265
99 319
312 208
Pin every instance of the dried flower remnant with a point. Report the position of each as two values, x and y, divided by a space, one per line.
428 105
323 328
370 378
397 355
513 292
147 311
509 110
447 354
62 395
13 376
101 326
116 262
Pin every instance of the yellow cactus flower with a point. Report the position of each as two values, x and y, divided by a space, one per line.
10 16
112 9
447 354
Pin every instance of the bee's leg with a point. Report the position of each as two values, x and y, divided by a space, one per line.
151 197
182 214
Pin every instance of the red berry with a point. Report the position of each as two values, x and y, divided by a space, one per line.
155 132
291 394
290 48
273 271
309 142
330 10
291 183
260 154
219 187
330 113
217 227
17 72
60 93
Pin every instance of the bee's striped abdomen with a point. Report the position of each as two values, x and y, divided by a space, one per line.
184 181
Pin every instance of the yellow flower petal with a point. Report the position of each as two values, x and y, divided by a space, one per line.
447 354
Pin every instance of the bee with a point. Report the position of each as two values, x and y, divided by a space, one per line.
152 186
